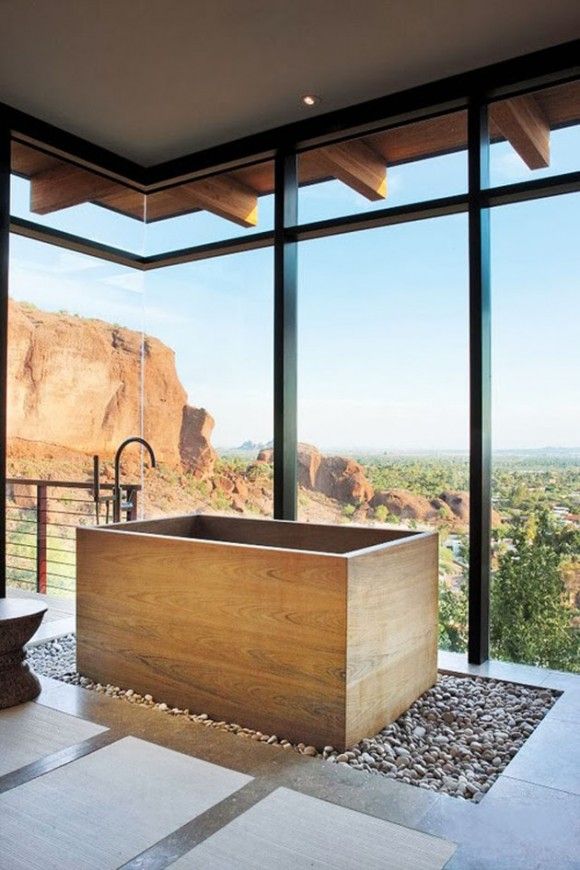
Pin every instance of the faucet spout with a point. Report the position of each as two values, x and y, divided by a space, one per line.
117 489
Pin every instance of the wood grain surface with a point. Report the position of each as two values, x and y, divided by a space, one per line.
317 647
392 632
254 636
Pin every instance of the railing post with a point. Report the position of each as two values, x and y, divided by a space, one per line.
41 554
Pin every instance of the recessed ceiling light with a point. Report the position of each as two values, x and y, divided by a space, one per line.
310 99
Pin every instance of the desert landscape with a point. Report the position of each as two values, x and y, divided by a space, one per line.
105 382
79 386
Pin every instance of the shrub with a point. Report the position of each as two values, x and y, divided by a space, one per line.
382 513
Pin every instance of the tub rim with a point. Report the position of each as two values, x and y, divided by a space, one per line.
128 528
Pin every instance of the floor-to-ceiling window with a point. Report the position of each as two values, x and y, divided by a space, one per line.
214 315
75 384
383 389
223 207
75 362
535 591
535 285
211 324
49 192
383 328
100 351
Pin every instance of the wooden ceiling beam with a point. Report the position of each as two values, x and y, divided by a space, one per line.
126 201
356 165
223 196
66 185
523 123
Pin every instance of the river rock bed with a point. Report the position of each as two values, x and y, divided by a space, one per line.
456 738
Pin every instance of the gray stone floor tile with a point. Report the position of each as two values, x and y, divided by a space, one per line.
64 604
291 831
31 731
517 826
377 795
99 811
56 627
550 757
561 680
495 669
567 707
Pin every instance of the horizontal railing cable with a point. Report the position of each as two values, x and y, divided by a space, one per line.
41 521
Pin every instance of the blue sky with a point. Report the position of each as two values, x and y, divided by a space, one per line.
382 313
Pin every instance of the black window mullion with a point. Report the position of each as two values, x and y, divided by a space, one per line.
480 385
285 336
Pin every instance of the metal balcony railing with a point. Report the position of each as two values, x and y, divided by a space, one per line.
41 518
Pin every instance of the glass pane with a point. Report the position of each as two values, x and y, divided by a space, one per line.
419 161
63 196
383 389
535 135
236 203
214 367
536 424
75 350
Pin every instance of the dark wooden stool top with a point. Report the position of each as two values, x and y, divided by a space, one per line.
19 620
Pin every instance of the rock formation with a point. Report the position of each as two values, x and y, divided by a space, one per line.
449 506
81 384
458 502
334 476
195 450
407 505
309 459
344 480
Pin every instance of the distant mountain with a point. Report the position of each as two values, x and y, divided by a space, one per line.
253 446
540 451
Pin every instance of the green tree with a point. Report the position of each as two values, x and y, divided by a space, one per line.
453 616
530 619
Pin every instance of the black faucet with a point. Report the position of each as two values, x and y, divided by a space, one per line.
117 492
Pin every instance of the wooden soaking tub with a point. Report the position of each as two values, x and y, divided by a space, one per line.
317 633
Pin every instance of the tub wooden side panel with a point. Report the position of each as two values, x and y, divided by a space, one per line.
392 632
249 635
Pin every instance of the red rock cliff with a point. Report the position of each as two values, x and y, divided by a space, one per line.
80 384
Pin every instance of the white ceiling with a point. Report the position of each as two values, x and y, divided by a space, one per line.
155 79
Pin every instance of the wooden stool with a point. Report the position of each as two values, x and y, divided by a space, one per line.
19 619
